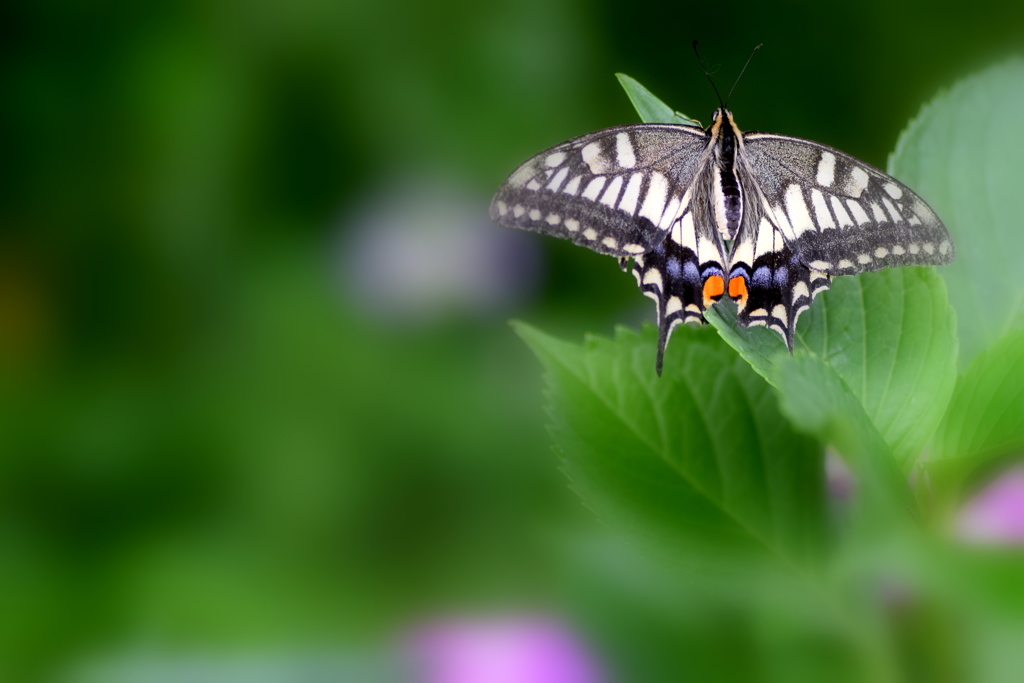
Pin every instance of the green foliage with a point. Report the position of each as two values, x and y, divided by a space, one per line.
718 465
986 416
818 402
221 460
700 463
890 336
985 420
962 154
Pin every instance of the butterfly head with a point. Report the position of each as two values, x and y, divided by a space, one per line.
722 120
722 114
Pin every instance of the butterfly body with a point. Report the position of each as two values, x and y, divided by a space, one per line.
703 213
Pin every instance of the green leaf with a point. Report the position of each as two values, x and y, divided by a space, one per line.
699 463
650 108
818 402
962 154
759 346
890 336
985 419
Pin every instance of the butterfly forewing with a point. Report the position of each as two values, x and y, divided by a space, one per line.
617 191
840 215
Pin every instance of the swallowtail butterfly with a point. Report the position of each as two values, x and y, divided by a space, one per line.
768 219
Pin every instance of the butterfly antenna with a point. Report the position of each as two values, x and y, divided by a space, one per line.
741 74
705 70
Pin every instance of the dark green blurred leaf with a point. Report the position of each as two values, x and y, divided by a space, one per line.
988 577
295 665
698 462
963 155
985 419
656 628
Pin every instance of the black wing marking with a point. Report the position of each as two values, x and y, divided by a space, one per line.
684 274
838 214
769 283
617 191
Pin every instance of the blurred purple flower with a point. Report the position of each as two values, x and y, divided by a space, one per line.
996 513
502 650
423 248
839 480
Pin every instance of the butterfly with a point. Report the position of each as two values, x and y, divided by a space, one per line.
704 212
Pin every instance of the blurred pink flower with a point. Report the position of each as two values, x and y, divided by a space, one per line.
996 513
502 650
839 480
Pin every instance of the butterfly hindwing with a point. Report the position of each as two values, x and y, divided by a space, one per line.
617 191
684 274
769 283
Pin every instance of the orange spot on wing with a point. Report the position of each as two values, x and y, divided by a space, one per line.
714 288
738 289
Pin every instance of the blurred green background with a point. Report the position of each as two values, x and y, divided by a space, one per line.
258 391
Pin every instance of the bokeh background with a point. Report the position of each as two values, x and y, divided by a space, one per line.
262 414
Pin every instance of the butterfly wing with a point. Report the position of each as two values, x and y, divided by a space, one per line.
685 274
814 212
769 282
617 191
637 191
840 215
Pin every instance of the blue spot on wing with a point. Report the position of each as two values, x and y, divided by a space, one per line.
690 273
674 268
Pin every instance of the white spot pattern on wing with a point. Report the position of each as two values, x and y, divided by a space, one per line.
632 194
826 169
654 200
799 217
624 153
